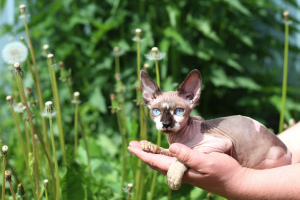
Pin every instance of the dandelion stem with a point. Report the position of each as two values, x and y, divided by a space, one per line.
138 61
55 159
76 129
158 136
32 135
3 178
25 153
39 92
12 190
49 163
285 74
27 136
57 106
23 145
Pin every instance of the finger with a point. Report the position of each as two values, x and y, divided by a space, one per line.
134 143
187 156
158 161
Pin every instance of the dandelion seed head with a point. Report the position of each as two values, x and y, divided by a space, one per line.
146 66
76 94
61 64
76 98
14 52
4 149
22 9
137 37
117 52
45 46
154 49
19 107
155 54
51 56
49 110
9 99
17 69
7 175
45 182
138 31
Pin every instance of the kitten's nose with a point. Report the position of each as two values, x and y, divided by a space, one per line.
166 124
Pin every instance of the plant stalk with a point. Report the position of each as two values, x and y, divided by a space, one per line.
12 190
285 74
55 160
76 129
57 106
39 92
32 135
3 178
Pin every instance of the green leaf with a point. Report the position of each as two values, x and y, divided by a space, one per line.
204 26
97 100
173 34
108 146
219 78
245 82
238 6
72 186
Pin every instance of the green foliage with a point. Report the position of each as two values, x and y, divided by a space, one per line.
236 45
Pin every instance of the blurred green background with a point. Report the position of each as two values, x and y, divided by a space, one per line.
236 45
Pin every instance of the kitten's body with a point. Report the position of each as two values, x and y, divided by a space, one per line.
243 138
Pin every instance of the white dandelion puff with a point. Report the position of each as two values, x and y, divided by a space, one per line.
14 52
49 110
137 37
155 54
76 98
19 107
117 52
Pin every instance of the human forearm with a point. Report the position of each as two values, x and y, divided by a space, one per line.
276 183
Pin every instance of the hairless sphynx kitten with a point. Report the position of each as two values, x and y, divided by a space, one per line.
243 138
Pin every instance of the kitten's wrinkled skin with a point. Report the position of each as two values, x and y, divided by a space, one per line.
243 138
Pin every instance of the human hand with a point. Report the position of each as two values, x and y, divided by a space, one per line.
215 172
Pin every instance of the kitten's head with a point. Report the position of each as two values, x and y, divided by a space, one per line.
170 110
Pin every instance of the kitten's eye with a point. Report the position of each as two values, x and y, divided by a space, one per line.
156 112
179 111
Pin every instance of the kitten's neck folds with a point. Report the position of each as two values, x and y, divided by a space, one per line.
189 134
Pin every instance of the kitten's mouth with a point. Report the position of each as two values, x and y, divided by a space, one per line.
167 130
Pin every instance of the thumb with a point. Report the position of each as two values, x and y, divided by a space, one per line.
186 155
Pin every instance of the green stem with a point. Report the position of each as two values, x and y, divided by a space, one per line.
138 62
27 136
19 88
39 91
46 192
157 73
25 153
76 129
32 136
3 177
285 74
57 106
12 190
49 163
158 136
55 159
117 64
23 145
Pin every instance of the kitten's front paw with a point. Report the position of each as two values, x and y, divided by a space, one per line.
150 147
174 175
173 180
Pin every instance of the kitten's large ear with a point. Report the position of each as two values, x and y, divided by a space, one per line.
190 88
150 90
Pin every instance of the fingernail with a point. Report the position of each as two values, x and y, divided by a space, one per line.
174 149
